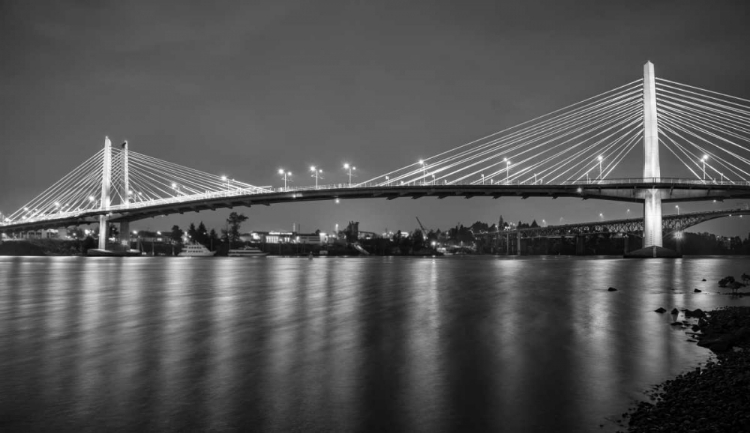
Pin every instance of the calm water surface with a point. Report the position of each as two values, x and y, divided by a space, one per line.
342 344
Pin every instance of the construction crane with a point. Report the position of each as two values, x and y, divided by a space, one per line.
424 231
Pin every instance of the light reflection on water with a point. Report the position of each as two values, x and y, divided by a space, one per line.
398 344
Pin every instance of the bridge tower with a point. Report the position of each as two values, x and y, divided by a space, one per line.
106 185
125 225
652 235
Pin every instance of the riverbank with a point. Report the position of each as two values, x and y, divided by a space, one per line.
711 398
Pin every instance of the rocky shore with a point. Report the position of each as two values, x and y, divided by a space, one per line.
711 398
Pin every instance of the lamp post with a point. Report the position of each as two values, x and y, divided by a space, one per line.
387 180
705 157
600 166
482 178
316 172
285 174
225 179
507 170
424 171
678 208
349 168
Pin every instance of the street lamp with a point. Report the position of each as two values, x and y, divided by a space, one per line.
600 166
678 208
286 174
349 168
316 173
225 179
601 215
387 180
507 170
424 171
705 157
482 178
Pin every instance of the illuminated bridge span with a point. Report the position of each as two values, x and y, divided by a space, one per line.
671 224
571 152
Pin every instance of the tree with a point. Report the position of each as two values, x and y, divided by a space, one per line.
192 233
213 239
176 234
352 232
201 235
232 232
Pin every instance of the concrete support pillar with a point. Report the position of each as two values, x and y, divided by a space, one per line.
125 233
507 244
580 245
518 252
106 185
651 170
652 219
625 242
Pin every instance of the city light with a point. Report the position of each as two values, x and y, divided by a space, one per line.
424 171
286 174
316 174
349 168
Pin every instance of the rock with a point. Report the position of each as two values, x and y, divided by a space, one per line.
695 328
676 323
717 343
695 313
696 291
611 289
726 280
660 310
675 311
703 279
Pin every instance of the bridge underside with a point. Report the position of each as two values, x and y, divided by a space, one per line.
625 192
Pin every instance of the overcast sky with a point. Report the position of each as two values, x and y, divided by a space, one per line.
244 88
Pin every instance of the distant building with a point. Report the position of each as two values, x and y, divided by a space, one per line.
286 238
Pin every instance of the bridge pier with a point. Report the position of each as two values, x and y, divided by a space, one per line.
580 245
125 233
518 242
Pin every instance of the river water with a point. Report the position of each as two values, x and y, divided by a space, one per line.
342 344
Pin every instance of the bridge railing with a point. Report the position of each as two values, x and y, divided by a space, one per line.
237 192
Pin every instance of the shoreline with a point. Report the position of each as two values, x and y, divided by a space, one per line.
714 397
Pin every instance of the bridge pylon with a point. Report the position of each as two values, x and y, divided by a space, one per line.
652 234
125 225
106 187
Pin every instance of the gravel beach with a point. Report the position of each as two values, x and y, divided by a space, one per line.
711 398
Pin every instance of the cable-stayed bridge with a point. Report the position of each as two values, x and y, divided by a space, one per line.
576 151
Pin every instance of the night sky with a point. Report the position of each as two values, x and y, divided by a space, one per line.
245 88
